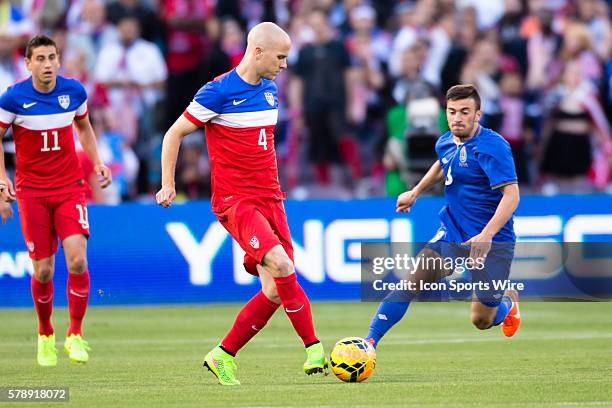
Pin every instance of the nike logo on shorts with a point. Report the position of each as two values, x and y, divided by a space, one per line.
235 102
27 105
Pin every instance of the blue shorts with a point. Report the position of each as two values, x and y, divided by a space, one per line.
488 279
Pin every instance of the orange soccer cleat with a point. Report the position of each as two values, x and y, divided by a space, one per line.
512 322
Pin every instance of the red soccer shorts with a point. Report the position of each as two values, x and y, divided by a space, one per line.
44 219
258 225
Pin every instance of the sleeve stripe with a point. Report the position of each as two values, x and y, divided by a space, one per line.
505 183
82 109
79 117
6 117
193 119
201 112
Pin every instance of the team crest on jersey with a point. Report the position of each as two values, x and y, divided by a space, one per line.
269 98
254 242
64 101
463 157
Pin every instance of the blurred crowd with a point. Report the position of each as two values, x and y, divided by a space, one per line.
362 102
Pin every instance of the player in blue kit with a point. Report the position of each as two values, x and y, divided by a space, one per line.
482 194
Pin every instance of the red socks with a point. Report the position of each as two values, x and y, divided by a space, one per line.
251 319
42 294
256 313
297 306
78 295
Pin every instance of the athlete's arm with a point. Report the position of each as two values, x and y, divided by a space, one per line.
504 211
170 148
481 243
406 200
87 139
6 211
7 191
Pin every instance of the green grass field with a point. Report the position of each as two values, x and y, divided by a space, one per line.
561 357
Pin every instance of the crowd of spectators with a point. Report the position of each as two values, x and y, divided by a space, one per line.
363 99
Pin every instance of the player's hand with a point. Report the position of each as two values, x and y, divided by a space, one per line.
7 191
165 196
6 211
406 200
104 175
480 245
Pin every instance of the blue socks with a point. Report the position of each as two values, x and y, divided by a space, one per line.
502 310
390 311
394 307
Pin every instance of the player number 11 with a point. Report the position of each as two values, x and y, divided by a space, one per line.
262 139
55 147
83 216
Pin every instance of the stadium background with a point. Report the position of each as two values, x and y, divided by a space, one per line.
344 153
352 130
143 254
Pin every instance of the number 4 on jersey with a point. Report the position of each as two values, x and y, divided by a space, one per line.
262 139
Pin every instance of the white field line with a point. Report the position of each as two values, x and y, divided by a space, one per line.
264 343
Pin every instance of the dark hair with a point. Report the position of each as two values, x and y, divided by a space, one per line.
39 41
459 92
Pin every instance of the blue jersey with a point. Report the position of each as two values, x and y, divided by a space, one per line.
474 173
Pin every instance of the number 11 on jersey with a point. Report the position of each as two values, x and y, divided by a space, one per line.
262 139
55 147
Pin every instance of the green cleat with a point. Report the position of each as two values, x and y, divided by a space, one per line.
222 365
47 353
77 348
315 361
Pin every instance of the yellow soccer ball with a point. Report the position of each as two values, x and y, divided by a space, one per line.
353 359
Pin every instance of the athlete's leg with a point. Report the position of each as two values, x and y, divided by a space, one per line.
72 225
268 287
292 296
393 308
263 233
253 316
75 249
290 292
482 316
491 306
42 293
486 315
249 321
41 241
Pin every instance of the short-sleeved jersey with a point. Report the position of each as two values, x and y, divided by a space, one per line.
239 120
474 173
44 141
